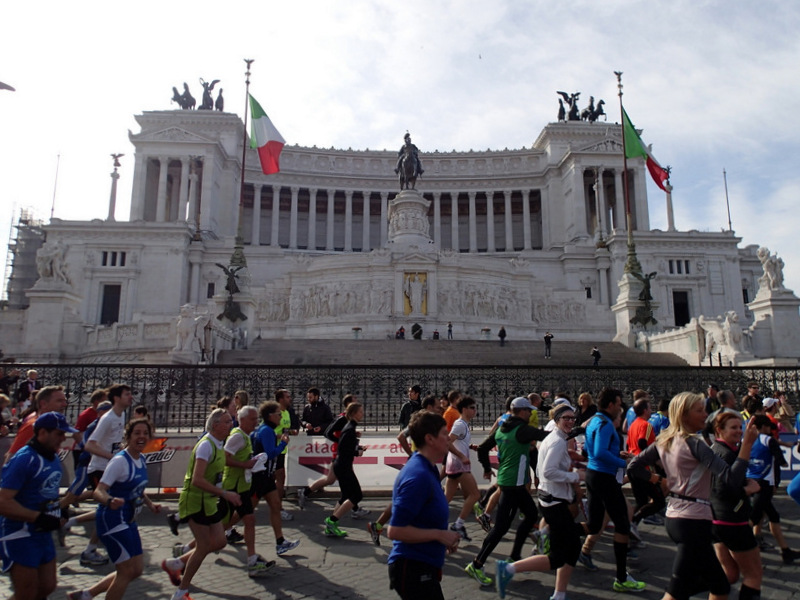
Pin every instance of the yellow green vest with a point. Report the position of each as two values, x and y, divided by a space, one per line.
194 500
233 477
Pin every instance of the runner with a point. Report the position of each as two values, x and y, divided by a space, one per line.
120 495
457 468
30 509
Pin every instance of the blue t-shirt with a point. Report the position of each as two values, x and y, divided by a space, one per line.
630 417
37 479
418 501
131 489
659 422
602 445
761 459
265 440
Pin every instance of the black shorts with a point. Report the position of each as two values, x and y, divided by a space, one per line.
263 484
202 519
454 475
246 506
737 538
412 580
94 479
280 462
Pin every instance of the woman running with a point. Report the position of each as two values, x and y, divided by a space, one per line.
120 496
348 449
734 542
689 464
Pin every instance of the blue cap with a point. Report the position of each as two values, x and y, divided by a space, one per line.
53 420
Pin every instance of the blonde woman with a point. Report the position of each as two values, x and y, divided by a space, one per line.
690 465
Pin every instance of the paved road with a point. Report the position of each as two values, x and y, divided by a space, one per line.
353 567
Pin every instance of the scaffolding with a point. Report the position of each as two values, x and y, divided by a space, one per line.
24 240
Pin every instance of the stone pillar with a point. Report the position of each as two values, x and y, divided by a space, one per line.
526 219
619 201
670 214
348 221
437 218
194 193
509 237
255 228
384 219
365 224
112 200
473 223
602 213
183 198
195 258
161 198
329 232
293 219
642 212
276 208
137 194
579 199
454 241
490 221
312 219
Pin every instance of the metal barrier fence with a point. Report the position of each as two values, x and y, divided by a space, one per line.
179 397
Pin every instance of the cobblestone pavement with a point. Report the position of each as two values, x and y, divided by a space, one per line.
353 567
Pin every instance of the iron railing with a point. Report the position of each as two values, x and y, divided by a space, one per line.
179 397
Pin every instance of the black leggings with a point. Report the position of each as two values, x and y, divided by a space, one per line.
696 567
644 492
762 504
565 535
348 484
605 495
511 499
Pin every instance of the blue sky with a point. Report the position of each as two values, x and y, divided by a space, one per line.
713 85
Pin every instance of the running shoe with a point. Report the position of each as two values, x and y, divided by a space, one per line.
478 575
332 528
462 531
586 561
789 556
175 575
635 532
234 537
544 543
485 522
260 567
477 509
286 516
177 550
374 533
92 558
360 513
629 585
301 498
173 523
502 579
653 520
286 546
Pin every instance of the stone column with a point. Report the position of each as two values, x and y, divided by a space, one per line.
329 232
642 211
194 194
365 224
255 228
619 201
473 223
348 221
161 198
490 221
454 241
184 191
509 229
526 219
312 219
437 219
670 213
384 219
137 194
112 199
579 198
293 219
276 207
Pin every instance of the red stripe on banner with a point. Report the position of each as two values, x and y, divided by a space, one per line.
395 460
366 460
315 460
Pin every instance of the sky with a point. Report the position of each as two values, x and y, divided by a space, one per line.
712 84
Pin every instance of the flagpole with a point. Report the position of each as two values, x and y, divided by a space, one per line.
632 262
727 202
237 258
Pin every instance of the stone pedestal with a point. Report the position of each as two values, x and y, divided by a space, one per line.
408 222
53 312
244 328
626 308
775 332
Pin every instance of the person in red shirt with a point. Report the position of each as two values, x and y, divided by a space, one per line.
49 399
451 415
649 497
86 418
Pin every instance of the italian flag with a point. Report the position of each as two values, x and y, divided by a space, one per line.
265 138
634 147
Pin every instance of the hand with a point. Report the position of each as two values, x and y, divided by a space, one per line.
155 508
626 455
750 433
751 487
450 540
232 497
487 476
116 503
3 430
284 438
249 464
316 429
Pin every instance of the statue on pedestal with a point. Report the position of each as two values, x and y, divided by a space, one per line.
188 325
772 279
408 166
50 263
208 101
185 100
572 102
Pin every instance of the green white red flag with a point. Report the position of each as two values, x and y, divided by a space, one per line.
265 138
634 147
